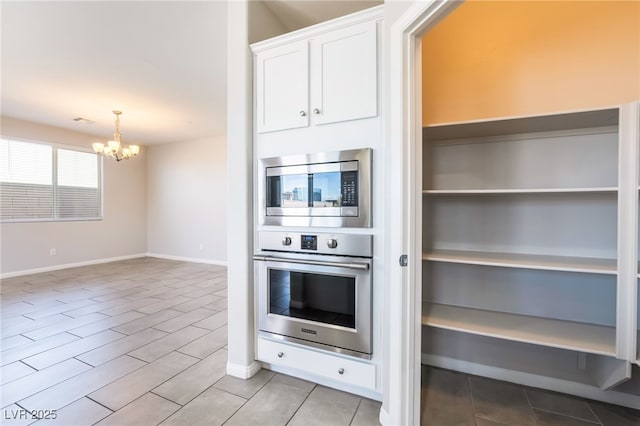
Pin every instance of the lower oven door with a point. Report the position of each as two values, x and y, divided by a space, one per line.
313 301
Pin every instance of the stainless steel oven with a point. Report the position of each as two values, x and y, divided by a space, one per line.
331 189
315 289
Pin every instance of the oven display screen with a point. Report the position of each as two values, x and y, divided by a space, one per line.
309 242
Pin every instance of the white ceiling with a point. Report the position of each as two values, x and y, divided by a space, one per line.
302 13
162 63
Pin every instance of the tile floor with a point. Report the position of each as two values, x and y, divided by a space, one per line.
143 342
455 399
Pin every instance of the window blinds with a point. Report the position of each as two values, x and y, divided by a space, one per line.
78 192
43 182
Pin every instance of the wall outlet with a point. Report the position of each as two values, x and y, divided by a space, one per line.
52 252
201 246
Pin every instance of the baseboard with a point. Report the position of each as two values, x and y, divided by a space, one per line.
384 418
243 371
69 265
188 259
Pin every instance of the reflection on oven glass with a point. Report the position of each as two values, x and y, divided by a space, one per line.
326 190
328 299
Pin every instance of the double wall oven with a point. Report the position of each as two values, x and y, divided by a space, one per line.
314 285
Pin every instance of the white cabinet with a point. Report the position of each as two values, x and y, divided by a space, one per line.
529 247
341 369
326 78
344 74
282 87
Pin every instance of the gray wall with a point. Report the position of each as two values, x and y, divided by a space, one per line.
122 232
187 200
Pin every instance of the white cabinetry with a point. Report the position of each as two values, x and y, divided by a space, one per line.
340 369
344 74
529 248
324 78
318 90
282 87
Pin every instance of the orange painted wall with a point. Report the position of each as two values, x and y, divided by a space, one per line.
504 58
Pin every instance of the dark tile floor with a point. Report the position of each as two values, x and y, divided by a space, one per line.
457 399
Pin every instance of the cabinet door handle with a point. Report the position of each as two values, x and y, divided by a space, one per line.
302 113
316 111
341 371
280 354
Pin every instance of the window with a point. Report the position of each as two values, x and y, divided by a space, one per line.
41 182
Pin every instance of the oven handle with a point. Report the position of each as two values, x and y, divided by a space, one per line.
357 266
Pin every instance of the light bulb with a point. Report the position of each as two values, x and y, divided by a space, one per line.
98 147
114 145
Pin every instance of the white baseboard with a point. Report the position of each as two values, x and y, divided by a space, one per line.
243 371
384 418
69 265
188 259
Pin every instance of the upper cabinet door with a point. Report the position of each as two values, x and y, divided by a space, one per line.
282 85
344 80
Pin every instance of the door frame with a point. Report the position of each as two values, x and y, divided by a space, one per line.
401 393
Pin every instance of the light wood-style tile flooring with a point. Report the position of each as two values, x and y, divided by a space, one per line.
142 342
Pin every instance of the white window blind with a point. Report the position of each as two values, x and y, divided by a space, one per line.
42 182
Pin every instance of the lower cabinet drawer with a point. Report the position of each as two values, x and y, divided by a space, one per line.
329 366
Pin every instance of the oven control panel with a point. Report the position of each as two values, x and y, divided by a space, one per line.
308 242
316 242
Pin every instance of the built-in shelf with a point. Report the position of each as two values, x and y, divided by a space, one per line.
517 191
529 261
550 332
492 191
519 125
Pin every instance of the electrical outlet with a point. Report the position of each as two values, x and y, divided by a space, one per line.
52 252
201 246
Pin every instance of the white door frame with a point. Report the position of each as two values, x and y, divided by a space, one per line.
401 405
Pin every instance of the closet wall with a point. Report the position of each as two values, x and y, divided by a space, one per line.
496 59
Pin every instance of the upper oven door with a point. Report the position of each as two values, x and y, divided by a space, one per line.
325 302
324 189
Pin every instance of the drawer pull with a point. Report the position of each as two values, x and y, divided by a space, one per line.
341 371
280 354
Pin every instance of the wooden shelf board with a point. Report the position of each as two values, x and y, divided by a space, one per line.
528 261
518 191
555 333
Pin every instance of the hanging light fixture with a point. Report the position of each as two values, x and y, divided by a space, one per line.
113 149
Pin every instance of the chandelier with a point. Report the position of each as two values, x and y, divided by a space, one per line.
113 149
